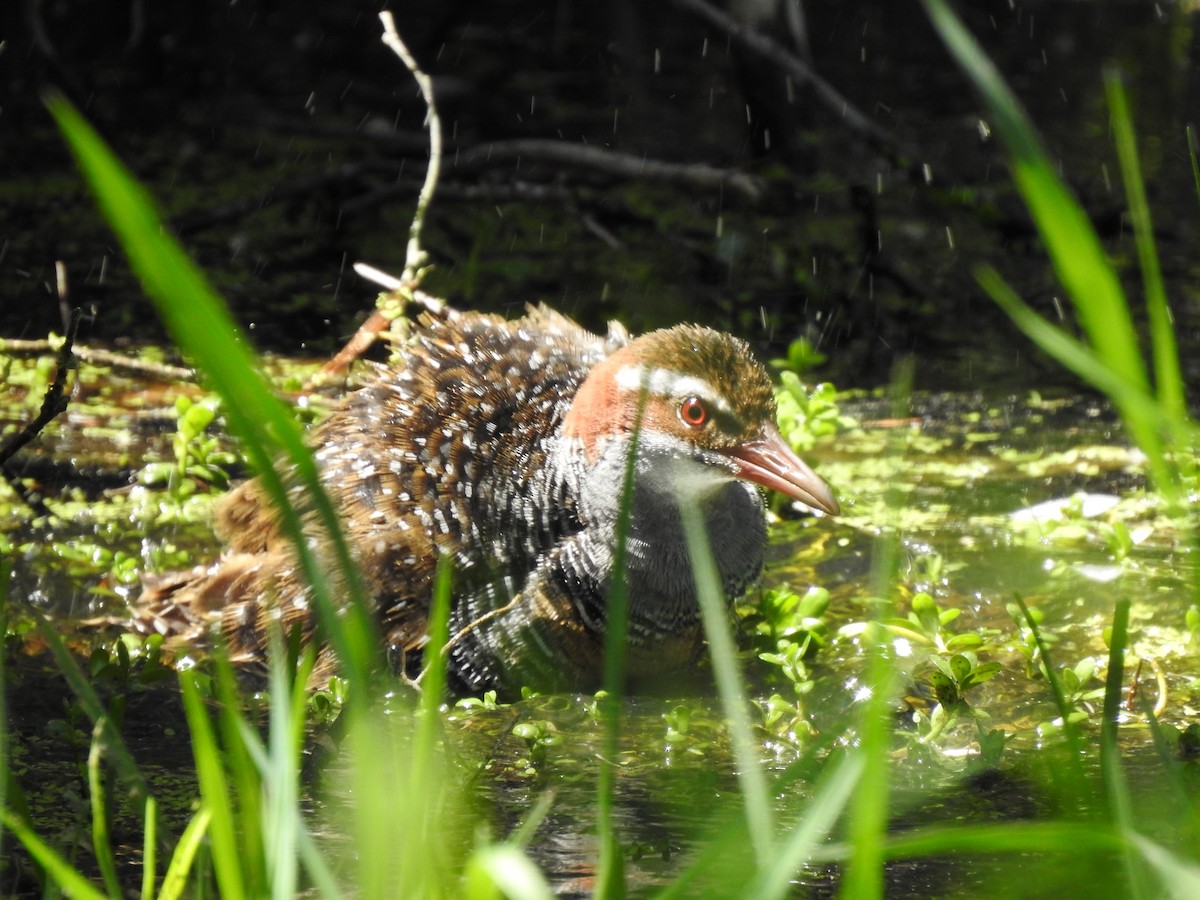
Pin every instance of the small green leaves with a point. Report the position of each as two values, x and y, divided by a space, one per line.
200 460
806 416
802 357
952 676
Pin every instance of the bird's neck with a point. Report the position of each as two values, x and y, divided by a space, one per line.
658 566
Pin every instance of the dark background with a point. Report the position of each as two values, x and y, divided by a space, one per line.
284 142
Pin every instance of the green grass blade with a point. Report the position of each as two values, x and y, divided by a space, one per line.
610 872
317 868
60 871
149 849
1074 248
1072 771
1071 838
1179 877
91 704
101 845
427 774
1180 807
1168 378
433 678
1076 252
504 870
760 818
202 326
1089 366
1190 135
281 817
238 740
1120 804
214 790
832 794
175 878
866 828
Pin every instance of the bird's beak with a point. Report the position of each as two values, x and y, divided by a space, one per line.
769 461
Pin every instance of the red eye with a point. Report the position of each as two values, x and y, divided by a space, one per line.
693 412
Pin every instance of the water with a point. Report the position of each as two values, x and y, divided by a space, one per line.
966 487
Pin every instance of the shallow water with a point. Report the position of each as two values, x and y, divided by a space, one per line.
965 485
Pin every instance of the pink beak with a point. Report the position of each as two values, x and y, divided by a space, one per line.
769 461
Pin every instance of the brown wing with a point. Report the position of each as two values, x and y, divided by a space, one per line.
410 462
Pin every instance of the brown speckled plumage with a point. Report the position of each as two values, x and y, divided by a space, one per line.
502 444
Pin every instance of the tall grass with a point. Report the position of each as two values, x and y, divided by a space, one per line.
1155 415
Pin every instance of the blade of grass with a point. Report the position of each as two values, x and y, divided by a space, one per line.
1073 246
202 326
149 849
101 845
314 863
866 828
1168 378
214 790
60 871
504 870
245 778
318 869
92 706
1085 363
1120 804
1078 257
175 878
433 678
1071 838
610 872
426 774
1190 135
760 819
1074 768
1180 877
280 771
837 783
1182 808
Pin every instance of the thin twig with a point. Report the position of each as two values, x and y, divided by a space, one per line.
515 191
415 257
54 402
610 162
116 361
391 304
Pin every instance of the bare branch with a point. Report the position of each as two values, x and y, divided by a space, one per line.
761 45
116 361
54 402
610 162
415 256
391 304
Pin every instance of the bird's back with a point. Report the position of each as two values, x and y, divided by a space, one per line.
442 453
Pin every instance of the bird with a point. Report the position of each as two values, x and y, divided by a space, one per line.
503 444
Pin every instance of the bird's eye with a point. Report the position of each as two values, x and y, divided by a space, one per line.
693 412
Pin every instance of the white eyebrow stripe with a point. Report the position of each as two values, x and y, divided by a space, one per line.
665 383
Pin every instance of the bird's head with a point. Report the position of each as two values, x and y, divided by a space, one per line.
706 398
